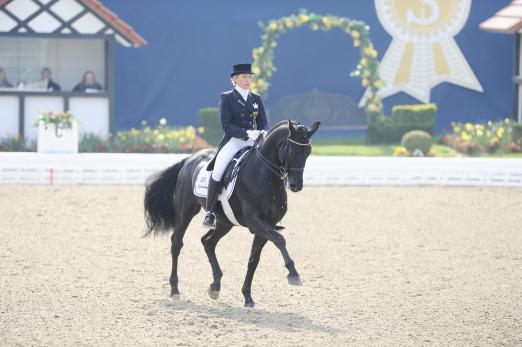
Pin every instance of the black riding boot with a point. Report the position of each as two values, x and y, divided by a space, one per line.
212 195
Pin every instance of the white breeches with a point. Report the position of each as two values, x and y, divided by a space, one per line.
226 154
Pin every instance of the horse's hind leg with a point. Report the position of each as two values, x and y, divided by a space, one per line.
177 243
257 246
209 241
175 250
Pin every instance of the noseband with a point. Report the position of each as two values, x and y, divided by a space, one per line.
281 170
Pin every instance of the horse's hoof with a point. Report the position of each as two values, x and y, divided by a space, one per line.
251 304
214 295
175 296
174 293
295 281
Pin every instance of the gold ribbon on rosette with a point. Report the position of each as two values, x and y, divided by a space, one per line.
423 52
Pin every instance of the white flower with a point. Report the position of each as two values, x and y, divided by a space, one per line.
163 121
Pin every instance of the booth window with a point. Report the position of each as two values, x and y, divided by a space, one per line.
23 60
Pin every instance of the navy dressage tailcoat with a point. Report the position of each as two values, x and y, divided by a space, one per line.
237 116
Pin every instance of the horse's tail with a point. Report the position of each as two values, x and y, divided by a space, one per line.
159 200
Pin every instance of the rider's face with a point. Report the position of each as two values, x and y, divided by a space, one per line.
243 80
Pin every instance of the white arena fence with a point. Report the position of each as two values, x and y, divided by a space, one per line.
133 169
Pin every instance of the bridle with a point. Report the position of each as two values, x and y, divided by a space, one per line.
281 170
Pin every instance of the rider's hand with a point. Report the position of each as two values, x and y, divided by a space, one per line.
263 133
253 134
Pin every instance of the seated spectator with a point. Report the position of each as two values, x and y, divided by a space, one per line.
88 84
47 78
4 83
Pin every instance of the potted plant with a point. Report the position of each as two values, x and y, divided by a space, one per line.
57 132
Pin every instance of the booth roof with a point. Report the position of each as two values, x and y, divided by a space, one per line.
111 18
507 21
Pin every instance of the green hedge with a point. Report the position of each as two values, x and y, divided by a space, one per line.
405 118
210 120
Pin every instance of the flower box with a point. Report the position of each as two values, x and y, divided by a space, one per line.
57 133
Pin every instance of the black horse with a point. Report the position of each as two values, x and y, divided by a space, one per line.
259 200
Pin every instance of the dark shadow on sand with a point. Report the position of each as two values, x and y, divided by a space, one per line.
281 321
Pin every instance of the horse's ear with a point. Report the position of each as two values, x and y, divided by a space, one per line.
313 128
291 127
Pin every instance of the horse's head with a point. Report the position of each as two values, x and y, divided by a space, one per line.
296 151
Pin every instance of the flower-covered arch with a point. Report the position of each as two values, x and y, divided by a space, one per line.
367 69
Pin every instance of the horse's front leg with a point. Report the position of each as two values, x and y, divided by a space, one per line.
267 231
257 246
209 241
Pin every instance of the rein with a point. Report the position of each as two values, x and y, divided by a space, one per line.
281 170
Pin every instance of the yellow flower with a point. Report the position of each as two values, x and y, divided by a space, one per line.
365 82
182 139
303 18
464 136
326 21
134 132
355 34
256 69
500 132
364 62
480 133
155 132
356 43
161 137
261 84
201 130
399 151
253 86
372 107
273 44
315 27
457 129
469 127
272 25
507 120
377 84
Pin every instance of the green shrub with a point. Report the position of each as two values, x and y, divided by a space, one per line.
209 119
517 133
417 140
414 114
404 118
16 143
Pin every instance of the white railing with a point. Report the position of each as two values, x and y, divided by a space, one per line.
113 168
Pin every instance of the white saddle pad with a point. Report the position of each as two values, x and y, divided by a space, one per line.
201 186
201 189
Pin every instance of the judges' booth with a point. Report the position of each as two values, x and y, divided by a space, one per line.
63 38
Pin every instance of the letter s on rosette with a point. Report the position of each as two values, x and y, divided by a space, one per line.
423 52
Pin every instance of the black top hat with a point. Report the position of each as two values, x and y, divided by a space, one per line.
241 69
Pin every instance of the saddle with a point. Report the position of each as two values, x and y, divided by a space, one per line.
227 183
229 177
